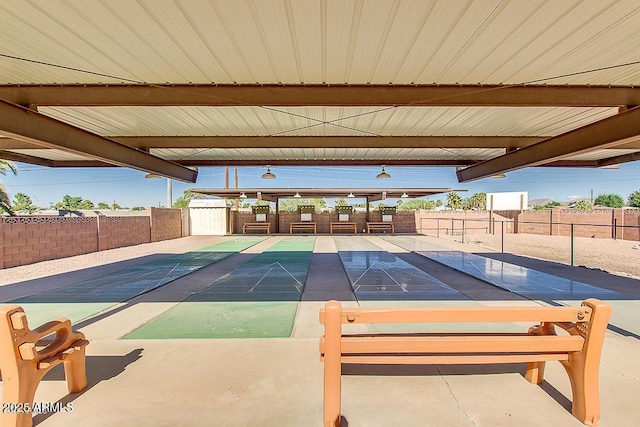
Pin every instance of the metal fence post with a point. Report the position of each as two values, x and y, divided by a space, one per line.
572 247
502 240
463 231
615 228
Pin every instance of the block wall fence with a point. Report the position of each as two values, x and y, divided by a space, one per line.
29 239
623 223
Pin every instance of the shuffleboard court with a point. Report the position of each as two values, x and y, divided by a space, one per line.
80 300
375 274
259 299
520 280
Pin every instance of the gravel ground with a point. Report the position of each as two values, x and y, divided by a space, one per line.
620 257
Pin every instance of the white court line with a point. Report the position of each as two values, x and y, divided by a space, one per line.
358 279
299 285
258 282
397 283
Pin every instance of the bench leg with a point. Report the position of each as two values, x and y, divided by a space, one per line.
332 364
585 389
535 372
21 390
75 371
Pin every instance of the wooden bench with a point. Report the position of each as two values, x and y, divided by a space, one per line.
256 226
24 361
382 226
578 349
302 226
349 226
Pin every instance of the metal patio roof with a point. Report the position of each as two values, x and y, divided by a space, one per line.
273 194
160 86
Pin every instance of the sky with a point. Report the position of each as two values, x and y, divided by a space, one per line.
129 188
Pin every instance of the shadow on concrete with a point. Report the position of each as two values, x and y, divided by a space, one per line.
441 370
99 368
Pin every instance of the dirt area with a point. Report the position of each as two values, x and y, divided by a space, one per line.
621 257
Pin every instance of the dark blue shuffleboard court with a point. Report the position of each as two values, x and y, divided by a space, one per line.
379 275
520 280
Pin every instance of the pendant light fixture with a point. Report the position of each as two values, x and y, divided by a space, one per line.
383 174
268 174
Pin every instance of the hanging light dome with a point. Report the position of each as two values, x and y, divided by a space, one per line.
243 196
404 195
297 195
268 174
350 195
383 174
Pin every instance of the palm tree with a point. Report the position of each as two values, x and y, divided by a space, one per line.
5 200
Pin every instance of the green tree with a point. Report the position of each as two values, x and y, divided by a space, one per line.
415 204
610 200
546 206
291 205
477 201
454 201
183 201
87 204
583 205
138 208
634 199
341 202
115 206
103 205
5 200
23 204
69 203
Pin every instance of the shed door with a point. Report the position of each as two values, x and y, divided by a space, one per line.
208 221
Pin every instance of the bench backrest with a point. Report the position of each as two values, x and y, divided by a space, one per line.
460 314
590 318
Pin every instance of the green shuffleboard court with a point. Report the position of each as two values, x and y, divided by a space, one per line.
259 299
80 300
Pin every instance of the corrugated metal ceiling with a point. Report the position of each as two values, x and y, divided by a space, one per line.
445 121
333 41
315 42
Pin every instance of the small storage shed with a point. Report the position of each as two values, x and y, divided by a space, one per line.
209 217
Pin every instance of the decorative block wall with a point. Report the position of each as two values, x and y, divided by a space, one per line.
26 240
120 231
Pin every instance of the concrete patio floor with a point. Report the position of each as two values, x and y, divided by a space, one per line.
278 381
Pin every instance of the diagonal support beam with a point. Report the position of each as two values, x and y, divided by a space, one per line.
30 126
610 132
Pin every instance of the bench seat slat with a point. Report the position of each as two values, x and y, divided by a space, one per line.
470 359
459 344
465 314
